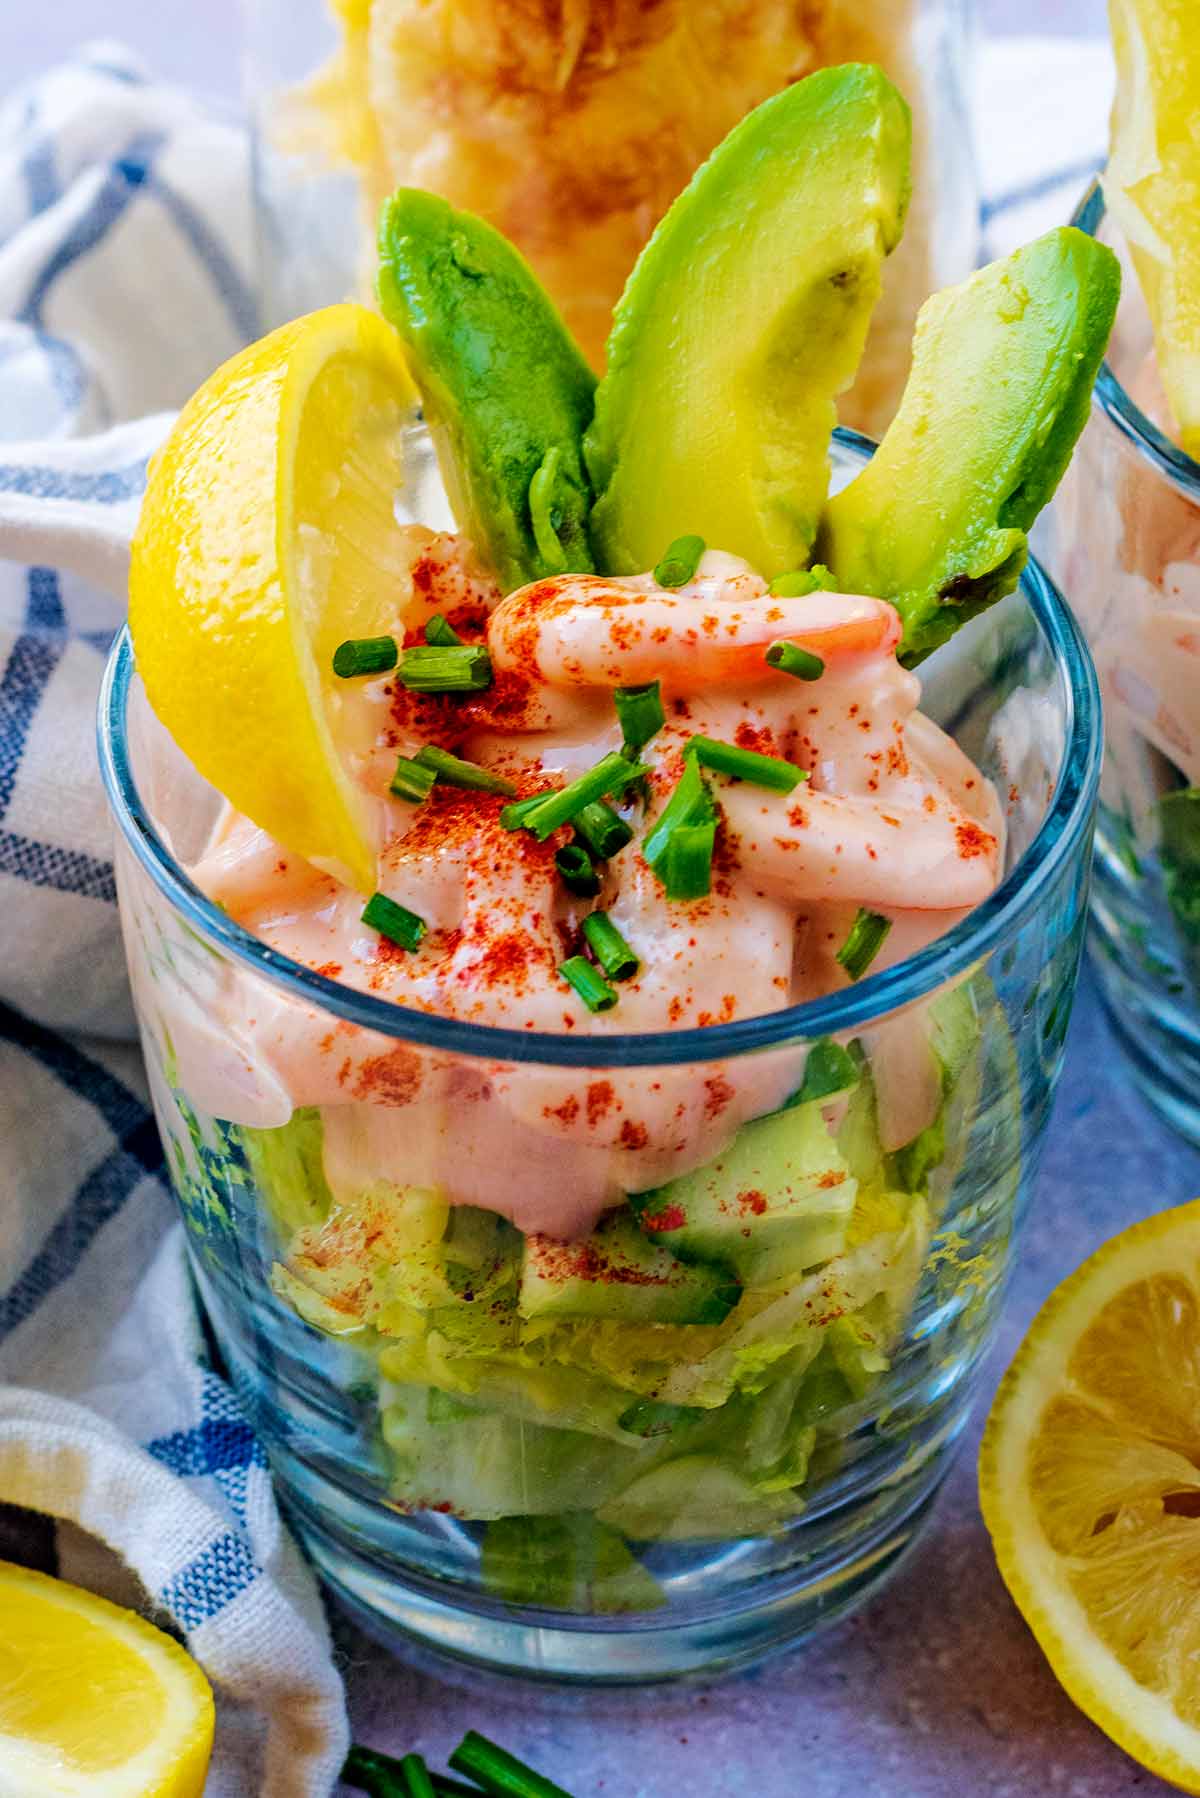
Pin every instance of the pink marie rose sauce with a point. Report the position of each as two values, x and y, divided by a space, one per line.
893 816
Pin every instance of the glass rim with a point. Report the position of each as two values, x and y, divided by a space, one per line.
1114 399
873 997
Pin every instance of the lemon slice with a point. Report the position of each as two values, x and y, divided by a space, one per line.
94 1701
1089 1478
1152 185
268 535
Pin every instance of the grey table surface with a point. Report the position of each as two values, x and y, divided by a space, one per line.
936 1688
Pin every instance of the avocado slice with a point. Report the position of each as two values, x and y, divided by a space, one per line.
744 318
777 1200
619 1272
998 393
505 389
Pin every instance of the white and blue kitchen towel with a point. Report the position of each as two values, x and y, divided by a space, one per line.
125 277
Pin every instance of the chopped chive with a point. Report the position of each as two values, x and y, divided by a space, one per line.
440 633
454 668
864 942
610 775
680 562
369 1771
415 1774
500 1774
542 512
828 1069
394 921
445 1787
456 772
603 830
690 803
799 581
411 780
609 946
686 868
746 764
789 658
640 710
364 655
596 994
578 871
513 816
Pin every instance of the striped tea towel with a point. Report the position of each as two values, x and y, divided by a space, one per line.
124 251
124 258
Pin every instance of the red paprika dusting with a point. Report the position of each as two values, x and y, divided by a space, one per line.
599 1098
633 1136
393 1078
671 1217
719 1092
752 1201
330 969
973 840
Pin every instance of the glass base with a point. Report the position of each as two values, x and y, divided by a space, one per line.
399 1608
1147 984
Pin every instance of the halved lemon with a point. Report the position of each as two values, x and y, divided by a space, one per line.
94 1701
1152 185
267 535
1089 1478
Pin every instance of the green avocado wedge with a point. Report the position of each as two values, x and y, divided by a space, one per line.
745 316
999 391
505 389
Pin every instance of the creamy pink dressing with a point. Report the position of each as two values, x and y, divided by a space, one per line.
893 816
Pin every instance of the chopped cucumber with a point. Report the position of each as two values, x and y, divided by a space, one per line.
620 1272
777 1200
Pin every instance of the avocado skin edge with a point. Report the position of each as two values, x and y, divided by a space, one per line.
1000 389
744 317
505 389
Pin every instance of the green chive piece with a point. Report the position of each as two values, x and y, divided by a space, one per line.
578 871
680 562
512 817
603 830
829 1069
445 1787
690 803
864 942
411 781
746 764
455 772
542 512
369 1771
686 868
394 921
640 710
440 633
799 581
364 655
789 658
415 1774
455 668
609 775
597 995
500 1774
609 946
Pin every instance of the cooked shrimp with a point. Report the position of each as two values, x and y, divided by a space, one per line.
583 630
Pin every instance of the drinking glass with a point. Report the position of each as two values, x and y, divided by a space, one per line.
1124 537
545 1489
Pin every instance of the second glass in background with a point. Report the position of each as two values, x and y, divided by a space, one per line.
1125 545
572 130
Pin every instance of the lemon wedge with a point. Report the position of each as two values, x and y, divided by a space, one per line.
1152 185
94 1701
268 535
1089 1478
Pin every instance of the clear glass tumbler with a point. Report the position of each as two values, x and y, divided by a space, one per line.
595 1461
1124 539
571 129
